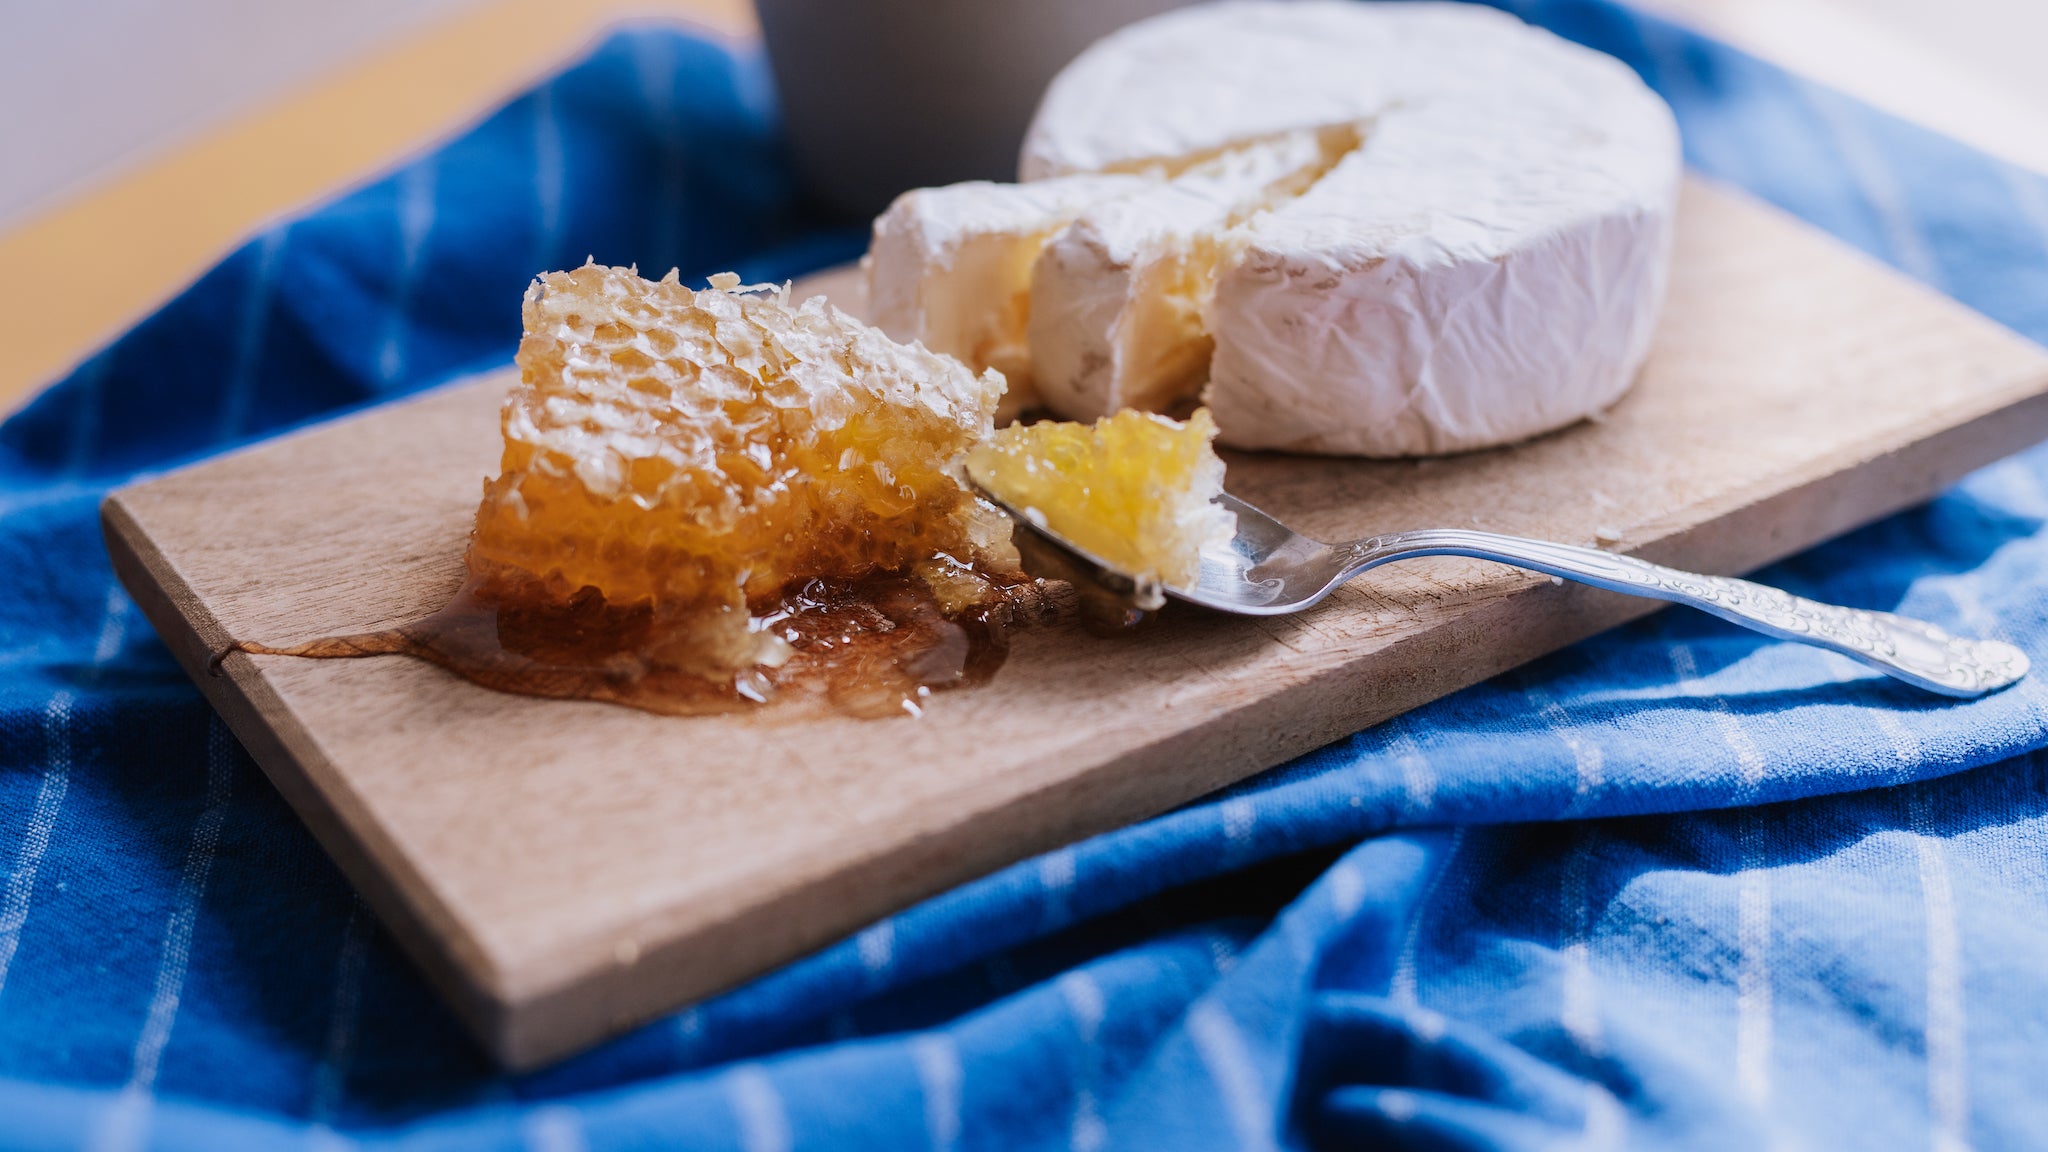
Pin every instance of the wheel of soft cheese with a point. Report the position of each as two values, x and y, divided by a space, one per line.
1485 266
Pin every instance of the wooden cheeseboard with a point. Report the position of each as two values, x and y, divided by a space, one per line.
564 870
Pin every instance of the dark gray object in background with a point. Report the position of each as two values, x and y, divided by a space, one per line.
885 95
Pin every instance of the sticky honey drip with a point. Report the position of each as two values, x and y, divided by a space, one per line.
711 499
873 648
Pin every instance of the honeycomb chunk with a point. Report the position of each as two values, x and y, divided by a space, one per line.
1134 489
703 452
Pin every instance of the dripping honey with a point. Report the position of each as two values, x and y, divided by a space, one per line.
872 648
711 500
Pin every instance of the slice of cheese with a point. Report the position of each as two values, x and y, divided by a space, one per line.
1488 265
951 268
1117 296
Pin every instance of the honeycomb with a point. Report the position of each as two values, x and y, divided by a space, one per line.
702 452
1133 489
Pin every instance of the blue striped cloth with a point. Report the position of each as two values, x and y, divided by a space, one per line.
1674 887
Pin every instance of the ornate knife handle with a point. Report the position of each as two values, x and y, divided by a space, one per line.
1912 650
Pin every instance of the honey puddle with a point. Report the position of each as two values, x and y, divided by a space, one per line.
873 648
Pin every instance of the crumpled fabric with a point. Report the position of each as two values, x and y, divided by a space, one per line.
1677 886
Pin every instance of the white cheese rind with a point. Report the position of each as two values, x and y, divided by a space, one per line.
1487 266
1117 296
951 267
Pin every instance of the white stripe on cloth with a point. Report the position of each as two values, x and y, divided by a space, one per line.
113 626
1606 1122
654 67
1588 762
1842 670
321 1138
548 170
1578 1009
416 212
1056 872
42 819
90 382
2014 480
124 1125
21 879
250 330
1748 761
1402 987
1238 817
764 1126
1222 1050
2030 195
1948 1085
1397 1104
689 1025
938 1078
1222 951
1874 178
1089 1133
876 947
1085 1004
1347 890
553 1128
1753 999
1418 779
1905 745
343 1019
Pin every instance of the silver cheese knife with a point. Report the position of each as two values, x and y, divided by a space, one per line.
1269 569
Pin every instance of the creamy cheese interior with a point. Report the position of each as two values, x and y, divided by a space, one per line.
951 268
1119 297
1486 266
1373 229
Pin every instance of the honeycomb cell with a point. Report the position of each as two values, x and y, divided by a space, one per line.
703 453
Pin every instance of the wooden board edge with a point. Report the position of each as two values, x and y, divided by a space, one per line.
558 1021
557 1003
297 767
525 1031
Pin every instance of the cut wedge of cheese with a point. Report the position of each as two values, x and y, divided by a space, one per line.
1117 296
1486 266
951 268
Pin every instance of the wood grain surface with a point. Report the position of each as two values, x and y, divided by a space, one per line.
565 870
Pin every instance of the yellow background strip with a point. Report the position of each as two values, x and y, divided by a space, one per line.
82 272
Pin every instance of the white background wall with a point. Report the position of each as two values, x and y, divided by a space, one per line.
88 87
1966 68
2003 41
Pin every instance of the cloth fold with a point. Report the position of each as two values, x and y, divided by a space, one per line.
1676 886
